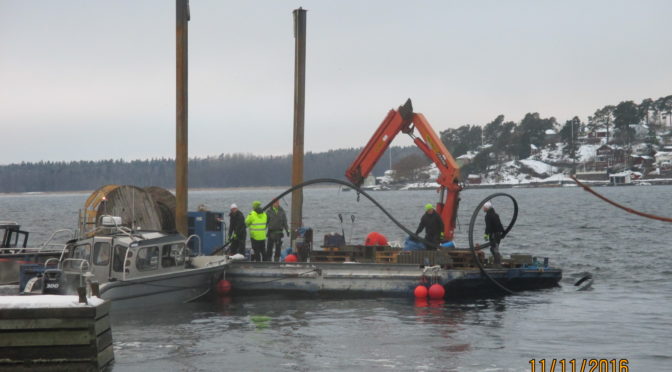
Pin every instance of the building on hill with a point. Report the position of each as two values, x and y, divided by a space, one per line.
597 135
551 137
607 156
474 179
666 139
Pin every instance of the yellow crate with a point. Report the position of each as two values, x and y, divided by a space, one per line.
387 256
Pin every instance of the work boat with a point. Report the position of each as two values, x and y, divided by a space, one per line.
14 250
133 268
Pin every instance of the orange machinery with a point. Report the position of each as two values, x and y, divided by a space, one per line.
406 121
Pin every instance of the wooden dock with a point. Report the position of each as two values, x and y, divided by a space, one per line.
54 333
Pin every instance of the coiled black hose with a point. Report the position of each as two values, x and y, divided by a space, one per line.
472 222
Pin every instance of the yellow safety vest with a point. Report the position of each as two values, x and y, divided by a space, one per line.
257 224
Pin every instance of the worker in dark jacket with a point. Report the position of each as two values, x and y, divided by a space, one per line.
493 231
277 223
237 230
433 225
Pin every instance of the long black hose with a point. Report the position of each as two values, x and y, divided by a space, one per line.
360 191
409 232
472 222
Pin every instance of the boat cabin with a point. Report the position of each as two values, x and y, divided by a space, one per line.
11 235
122 254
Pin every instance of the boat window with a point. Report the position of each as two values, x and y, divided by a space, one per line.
172 255
118 259
81 252
148 258
101 253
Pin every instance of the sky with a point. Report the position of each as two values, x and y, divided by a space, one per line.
91 80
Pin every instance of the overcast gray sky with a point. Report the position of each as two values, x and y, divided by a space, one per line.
96 79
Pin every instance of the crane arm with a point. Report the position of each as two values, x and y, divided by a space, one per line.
404 120
393 123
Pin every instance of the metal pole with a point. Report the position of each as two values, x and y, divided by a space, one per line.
573 151
299 108
182 127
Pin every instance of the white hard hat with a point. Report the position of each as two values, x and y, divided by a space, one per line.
234 206
487 205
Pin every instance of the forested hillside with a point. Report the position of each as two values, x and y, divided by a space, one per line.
626 124
230 170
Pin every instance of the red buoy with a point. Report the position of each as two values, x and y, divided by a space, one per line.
420 291
291 258
436 291
223 287
375 238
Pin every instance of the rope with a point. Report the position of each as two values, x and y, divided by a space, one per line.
627 209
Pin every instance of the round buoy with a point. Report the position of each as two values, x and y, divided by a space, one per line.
420 291
223 287
291 258
436 291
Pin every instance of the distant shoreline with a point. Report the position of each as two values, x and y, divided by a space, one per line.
37 193
652 182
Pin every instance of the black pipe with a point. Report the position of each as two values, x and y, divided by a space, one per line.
506 231
359 191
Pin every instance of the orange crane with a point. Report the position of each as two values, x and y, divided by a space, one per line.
406 121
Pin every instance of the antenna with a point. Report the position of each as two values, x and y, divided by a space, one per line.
132 209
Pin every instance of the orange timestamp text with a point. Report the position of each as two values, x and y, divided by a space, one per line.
581 365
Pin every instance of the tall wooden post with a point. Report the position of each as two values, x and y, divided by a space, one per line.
299 108
182 127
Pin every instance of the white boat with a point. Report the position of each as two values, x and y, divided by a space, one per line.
133 268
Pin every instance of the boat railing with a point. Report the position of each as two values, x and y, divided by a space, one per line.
101 227
186 242
49 243
83 268
48 262
125 270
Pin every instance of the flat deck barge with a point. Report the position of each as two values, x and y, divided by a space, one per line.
362 279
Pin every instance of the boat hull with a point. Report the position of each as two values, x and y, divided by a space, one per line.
344 279
175 287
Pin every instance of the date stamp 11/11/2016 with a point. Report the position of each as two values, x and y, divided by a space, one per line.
579 365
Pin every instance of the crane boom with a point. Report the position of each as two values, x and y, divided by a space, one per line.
406 121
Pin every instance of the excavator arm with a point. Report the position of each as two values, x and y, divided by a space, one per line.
406 121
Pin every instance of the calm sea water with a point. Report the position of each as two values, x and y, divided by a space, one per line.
626 315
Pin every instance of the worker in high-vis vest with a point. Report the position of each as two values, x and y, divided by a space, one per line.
256 223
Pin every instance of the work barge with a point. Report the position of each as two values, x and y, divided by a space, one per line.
455 270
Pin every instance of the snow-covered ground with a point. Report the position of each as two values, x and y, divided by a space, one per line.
421 186
539 167
45 301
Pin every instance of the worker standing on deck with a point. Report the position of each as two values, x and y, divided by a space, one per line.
237 230
433 225
277 222
256 222
493 231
